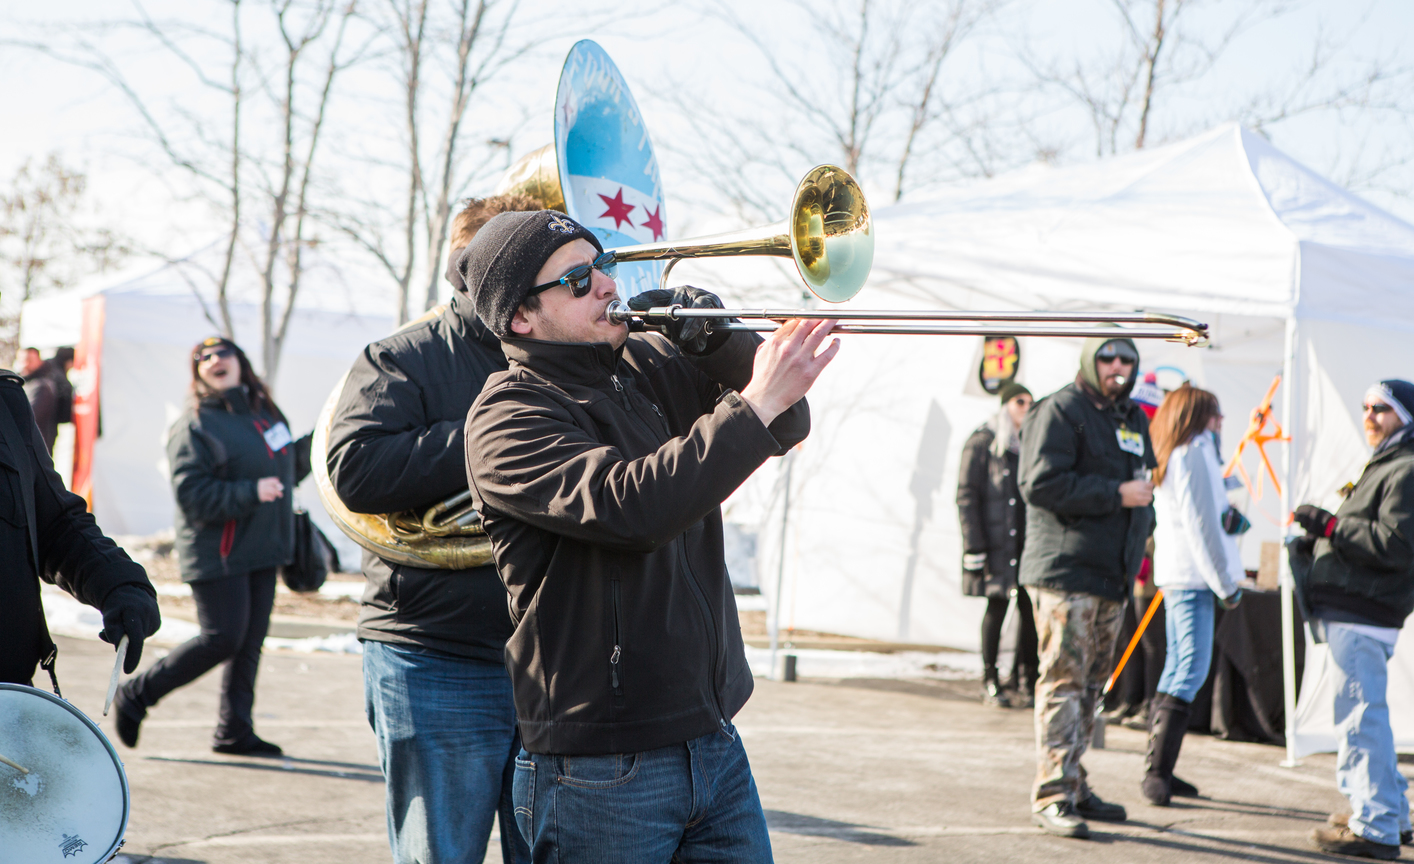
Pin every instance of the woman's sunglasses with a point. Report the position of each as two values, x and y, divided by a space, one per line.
578 279
215 353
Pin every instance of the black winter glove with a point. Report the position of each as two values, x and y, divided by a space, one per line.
1314 520
689 334
128 609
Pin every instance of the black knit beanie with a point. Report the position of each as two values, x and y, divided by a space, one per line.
499 265
1398 394
1011 391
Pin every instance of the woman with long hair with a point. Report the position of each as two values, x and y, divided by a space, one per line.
993 518
234 466
1195 563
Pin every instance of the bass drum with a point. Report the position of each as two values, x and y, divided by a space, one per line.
72 806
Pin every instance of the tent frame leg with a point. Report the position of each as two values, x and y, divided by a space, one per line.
1291 422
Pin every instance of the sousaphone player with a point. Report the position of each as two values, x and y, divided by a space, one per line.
436 689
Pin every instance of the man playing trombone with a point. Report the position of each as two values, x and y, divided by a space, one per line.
601 460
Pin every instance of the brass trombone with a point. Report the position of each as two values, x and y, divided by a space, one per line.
828 232
1153 325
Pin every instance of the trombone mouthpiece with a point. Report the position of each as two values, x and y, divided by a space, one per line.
617 312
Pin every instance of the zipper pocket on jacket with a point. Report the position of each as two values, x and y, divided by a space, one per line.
616 654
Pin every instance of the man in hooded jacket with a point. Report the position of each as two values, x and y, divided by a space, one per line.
1359 590
1085 461
435 684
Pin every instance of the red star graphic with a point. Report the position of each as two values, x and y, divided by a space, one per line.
617 208
654 223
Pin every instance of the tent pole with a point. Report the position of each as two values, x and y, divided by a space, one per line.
781 563
1290 422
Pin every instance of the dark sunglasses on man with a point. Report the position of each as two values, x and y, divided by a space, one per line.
1378 408
578 279
1121 351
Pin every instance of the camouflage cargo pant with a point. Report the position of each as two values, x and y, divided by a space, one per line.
1077 634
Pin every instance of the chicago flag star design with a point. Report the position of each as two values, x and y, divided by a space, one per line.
618 208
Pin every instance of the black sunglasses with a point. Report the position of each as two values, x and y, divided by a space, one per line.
578 279
1112 351
1378 409
214 353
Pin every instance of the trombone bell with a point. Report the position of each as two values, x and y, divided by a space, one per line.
828 233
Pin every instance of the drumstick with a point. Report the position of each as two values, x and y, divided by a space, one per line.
117 667
17 766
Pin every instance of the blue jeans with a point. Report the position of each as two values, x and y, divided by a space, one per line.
690 802
447 740
1188 618
1366 768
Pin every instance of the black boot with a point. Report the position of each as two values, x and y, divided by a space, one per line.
1026 688
1169 723
992 692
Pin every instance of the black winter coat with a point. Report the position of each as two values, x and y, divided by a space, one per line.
217 450
1078 537
600 478
992 513
397 444
1365 572
69 549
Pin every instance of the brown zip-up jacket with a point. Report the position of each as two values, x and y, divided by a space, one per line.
599 475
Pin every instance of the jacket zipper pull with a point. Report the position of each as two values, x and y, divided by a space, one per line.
617 386
614 667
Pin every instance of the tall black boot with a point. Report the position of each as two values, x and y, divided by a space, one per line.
1169 723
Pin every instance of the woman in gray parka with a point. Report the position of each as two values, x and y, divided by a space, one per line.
234 466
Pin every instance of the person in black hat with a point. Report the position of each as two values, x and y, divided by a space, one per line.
1358 590
599 461
437 694
993 518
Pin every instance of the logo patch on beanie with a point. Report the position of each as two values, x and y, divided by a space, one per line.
562 225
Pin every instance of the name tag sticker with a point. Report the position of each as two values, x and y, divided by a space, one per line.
1129 442
278 436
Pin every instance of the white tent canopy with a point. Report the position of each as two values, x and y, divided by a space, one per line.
151 320
1293 274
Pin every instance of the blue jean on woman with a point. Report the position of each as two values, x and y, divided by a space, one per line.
1188 615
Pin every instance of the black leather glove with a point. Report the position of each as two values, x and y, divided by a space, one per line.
688 334
128 609
1314 520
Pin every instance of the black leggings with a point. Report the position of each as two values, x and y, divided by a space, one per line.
992 631
234 613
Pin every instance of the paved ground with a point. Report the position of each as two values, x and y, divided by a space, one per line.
877 771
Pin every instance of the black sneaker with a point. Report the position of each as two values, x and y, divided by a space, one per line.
1340 840
251 745
127 718
1342 820
1182 788
1101 810
1062 820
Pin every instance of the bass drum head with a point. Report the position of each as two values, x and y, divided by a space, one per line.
72 808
